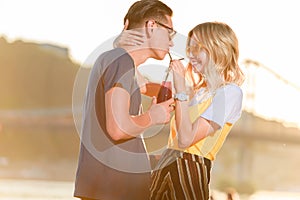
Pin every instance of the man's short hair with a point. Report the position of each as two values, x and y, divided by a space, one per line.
144 10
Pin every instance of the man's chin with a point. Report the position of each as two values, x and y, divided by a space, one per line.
161 55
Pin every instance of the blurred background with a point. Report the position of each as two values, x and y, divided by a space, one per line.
44 44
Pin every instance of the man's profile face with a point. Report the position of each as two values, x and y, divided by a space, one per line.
160 40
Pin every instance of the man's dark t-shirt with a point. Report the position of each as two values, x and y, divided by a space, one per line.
108 169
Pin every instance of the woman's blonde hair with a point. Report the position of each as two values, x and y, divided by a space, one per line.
220 44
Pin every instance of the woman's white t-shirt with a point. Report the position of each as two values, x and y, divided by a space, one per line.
226 106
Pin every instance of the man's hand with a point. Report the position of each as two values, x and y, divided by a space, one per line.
160 113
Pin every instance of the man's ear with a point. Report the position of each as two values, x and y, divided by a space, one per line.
149 28
126 24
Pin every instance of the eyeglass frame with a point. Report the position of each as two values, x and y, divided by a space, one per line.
194 48
171 31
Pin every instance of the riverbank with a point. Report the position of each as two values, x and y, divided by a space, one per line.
19 189
23 189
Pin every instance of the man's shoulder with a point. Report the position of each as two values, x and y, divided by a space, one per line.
112 60
111 57
113 54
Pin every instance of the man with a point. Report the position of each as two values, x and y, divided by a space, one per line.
113 163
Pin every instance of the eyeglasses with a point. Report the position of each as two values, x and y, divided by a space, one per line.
193 48
171 31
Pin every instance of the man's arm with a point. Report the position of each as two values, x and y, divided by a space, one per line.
152 89
121 125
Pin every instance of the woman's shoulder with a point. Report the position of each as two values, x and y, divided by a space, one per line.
229 91
231 88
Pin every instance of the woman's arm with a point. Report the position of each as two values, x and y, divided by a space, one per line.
129 37
188 133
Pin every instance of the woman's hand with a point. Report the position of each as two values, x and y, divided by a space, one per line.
178 75
129 37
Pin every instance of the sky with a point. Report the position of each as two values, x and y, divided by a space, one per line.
268 32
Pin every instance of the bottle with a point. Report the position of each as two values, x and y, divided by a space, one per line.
165 91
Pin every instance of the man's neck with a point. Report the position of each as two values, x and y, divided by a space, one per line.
138 55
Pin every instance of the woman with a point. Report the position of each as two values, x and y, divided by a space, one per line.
201 124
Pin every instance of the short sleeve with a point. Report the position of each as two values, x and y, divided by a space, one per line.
120 73
226 105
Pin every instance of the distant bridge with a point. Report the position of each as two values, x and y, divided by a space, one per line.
251 127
